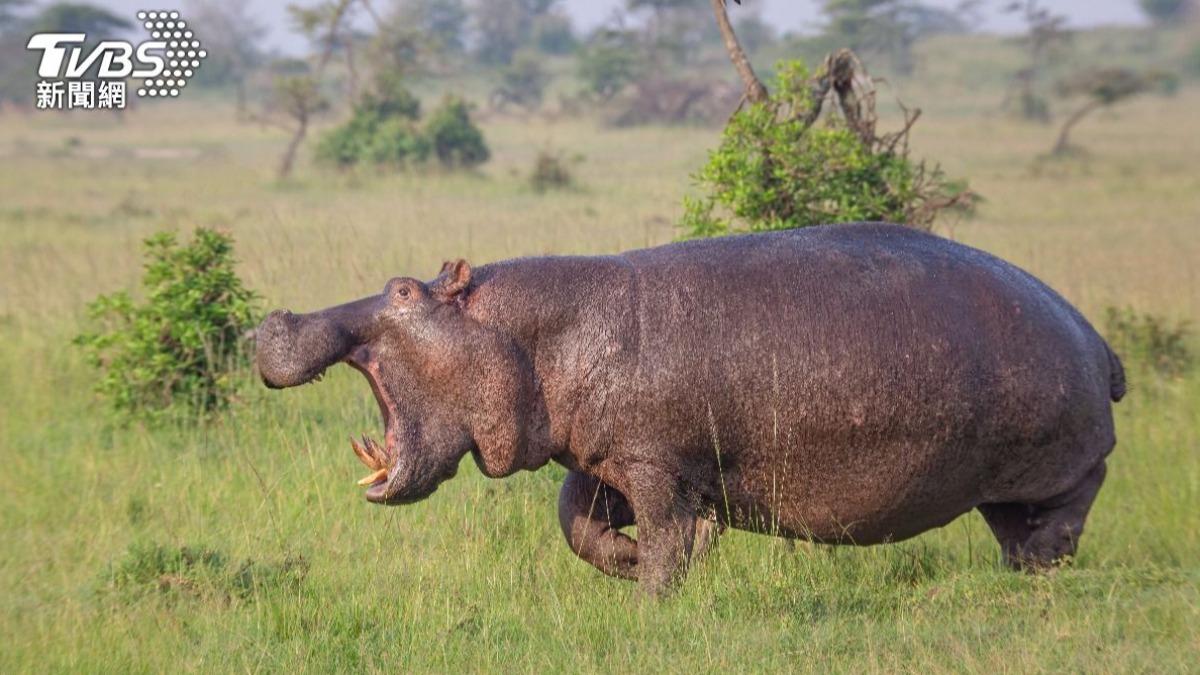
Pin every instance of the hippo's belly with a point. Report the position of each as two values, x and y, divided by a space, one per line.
855 496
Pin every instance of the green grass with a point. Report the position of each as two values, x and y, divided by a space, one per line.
287 568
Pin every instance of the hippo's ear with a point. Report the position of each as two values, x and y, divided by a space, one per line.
454 278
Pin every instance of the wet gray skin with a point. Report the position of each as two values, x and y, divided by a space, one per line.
853 384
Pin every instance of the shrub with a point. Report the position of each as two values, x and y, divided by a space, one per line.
389 98
550 172
777 168
385 130
454 139
1150 340
178 350
398 143
381 129
345 145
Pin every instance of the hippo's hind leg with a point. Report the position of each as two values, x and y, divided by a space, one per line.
592 515
1010 525
1035 537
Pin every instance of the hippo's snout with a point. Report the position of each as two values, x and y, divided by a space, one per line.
274 351
295 349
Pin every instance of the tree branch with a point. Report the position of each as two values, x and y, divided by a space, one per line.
755 91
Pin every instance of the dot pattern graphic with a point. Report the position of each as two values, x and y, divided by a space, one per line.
183 53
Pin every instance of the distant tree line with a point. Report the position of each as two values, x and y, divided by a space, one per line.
650 62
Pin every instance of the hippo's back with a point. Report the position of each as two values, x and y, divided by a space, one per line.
873 368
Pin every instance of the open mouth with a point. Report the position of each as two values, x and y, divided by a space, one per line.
378 458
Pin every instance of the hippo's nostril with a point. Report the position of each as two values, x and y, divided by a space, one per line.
279 316
277 324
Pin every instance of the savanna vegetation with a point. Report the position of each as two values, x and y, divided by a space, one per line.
237 541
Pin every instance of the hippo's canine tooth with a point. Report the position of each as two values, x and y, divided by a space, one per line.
376 451
378 475
364 456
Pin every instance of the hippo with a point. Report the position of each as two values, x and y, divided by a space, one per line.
844 384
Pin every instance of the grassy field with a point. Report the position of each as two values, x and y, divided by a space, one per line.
244 545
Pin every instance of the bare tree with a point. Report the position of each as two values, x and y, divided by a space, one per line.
295 100
327 24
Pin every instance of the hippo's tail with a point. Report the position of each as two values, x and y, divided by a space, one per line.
1116 375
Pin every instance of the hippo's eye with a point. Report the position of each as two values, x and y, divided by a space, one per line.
403 292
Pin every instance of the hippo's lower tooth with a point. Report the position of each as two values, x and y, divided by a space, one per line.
378 475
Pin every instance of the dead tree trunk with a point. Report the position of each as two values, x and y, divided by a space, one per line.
332 38
289 155
755 91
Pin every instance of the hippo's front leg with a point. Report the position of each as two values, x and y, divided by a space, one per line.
667 524
592 515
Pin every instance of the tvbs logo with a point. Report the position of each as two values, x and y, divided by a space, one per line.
75 75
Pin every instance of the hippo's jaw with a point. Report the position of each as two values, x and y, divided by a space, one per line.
293 350
381 460
409 465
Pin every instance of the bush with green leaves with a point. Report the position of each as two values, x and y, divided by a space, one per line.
779 166
550 172
179 349
382 129
455 141
394 141
385 130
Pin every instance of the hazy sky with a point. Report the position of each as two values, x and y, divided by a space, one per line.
797 15
786 15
